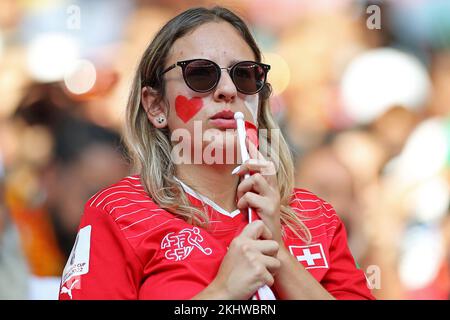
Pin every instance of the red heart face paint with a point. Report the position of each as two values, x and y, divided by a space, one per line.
186 108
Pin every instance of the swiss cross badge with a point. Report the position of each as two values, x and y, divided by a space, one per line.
179 245
311 256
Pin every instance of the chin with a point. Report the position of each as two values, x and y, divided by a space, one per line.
222 151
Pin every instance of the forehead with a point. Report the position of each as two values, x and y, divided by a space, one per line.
217 41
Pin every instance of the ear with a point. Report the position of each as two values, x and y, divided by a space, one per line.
155 110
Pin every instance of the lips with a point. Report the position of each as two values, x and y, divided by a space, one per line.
223 120
224 114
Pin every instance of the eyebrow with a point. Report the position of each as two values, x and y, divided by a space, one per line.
232 62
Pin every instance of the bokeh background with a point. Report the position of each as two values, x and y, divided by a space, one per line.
361 91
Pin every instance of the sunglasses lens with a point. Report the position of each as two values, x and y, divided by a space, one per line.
201 75
249 77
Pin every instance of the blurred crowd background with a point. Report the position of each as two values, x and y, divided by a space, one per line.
361 91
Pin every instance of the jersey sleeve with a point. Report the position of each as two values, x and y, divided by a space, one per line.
102 264
344 280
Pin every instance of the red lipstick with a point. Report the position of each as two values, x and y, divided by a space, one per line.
223 120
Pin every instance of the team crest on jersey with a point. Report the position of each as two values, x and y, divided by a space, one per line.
178 246
312 256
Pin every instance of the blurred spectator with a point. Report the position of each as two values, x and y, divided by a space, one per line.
393 127
321 172
13 267
440 76
62 161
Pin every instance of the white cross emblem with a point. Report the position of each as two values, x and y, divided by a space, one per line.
312 256
308 257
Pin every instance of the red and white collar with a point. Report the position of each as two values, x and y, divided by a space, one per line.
208 201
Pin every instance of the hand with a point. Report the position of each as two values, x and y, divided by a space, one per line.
249 264
260 191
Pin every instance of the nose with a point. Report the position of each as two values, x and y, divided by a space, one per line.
225 90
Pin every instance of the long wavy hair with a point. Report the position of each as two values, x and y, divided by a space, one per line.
150 148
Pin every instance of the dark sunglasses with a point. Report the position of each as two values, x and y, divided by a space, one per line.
202 75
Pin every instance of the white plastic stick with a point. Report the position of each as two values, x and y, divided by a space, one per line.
265 293
239 117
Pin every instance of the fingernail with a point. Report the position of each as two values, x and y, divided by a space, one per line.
235 170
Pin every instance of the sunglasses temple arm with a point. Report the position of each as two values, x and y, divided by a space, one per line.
169 68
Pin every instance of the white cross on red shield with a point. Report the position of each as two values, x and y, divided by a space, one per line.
311 256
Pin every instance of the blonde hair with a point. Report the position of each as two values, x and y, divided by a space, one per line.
150 148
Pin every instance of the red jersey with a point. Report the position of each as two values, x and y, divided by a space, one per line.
129 248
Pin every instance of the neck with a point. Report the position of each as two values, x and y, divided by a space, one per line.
213 181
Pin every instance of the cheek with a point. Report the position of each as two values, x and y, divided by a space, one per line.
186 108
251 103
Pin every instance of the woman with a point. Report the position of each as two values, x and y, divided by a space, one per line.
179 229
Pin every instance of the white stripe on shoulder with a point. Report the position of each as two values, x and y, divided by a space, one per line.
322 213
115 187
133 178
307 210
136 211
327 204
138 235
319 235
132 181
326 223
139 221
133 202
304 192
113 193
123 198
306 200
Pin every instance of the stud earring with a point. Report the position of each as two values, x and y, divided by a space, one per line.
160 120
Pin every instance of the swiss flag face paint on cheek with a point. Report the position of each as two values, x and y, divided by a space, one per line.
186 108
252 132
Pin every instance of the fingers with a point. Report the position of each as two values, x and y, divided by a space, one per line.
272 264
266 268
257 230
264 206
269 280
251 200
248 241
255 183
251 261
265 167
263 276
261 255
267 247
